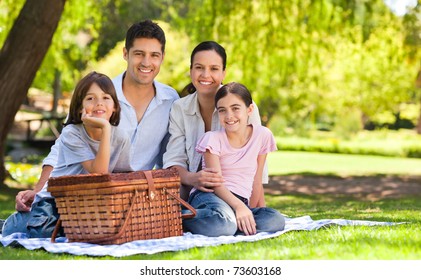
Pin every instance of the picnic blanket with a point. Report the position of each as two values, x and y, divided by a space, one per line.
177 243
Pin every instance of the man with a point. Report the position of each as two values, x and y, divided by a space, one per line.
145 107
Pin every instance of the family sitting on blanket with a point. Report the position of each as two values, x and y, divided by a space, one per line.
224 206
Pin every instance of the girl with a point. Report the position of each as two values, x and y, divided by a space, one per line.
90 143
238 153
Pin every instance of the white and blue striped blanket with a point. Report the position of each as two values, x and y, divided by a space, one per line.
177 243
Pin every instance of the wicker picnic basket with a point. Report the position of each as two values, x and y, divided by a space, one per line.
119 207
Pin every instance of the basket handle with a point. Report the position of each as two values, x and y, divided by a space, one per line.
152 195
151 186
55 231
188 206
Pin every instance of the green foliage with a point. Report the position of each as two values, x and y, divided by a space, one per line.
118 15
307 61
24 173
9 10
74 44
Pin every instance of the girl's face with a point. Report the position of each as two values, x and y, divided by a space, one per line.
98 103
233 112
207 72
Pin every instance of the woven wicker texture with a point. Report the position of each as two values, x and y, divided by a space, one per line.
118 208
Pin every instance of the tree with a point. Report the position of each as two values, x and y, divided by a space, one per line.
21 56
309 60
412 22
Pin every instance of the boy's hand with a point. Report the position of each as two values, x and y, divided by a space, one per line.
91 121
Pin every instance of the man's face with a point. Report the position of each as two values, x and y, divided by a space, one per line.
144 60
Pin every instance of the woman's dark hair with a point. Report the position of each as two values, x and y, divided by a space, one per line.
205 46
234 88
145 29
105 83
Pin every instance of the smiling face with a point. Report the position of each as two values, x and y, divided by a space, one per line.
233 112
98 103
207 72
144 60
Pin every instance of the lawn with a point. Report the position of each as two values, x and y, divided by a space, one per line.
400 242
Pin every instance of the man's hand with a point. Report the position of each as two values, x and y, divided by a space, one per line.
24 200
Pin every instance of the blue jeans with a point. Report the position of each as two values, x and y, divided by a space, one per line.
216 218
37 223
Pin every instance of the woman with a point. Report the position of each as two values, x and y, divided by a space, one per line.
195 114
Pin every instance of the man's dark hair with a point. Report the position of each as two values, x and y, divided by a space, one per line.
145 29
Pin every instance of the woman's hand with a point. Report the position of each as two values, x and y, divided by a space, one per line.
245 219
207 179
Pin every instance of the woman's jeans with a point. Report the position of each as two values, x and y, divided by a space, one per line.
216 218
37 223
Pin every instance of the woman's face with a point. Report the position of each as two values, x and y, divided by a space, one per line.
207 72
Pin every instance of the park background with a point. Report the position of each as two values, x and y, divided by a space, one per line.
337 82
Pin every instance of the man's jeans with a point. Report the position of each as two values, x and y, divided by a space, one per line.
38 223
216 218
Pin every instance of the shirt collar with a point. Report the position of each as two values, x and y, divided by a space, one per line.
162 92
193 106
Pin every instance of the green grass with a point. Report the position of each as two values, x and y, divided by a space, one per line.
400 242
402 143
286 162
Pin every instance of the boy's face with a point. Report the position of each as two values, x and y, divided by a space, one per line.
98 103
144 60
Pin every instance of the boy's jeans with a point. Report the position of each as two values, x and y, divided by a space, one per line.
37 223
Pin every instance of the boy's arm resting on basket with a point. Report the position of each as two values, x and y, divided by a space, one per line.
244 216
257 198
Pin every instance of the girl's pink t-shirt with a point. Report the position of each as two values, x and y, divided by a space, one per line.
238 165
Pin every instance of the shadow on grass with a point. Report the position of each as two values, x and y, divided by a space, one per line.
371 188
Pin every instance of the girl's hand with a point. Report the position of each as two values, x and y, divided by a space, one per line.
89 120
245 219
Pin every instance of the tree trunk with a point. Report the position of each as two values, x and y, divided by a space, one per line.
56 92
21 56
418 85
